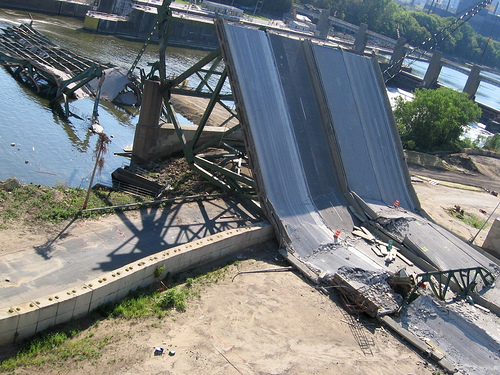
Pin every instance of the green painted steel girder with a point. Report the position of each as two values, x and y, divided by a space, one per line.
224 178
80 80
465 279
211 104
224 171
196 67
198 94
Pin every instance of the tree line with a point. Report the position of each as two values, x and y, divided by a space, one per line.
388 18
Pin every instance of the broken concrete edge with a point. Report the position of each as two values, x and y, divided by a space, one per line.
21 321
487 304
337 281
417 256
418 344
387 320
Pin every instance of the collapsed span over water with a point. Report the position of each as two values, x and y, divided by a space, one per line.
59 74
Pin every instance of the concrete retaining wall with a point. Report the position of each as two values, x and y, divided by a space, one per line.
56 7
25 320
492 241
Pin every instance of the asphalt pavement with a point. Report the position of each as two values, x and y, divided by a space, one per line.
85 249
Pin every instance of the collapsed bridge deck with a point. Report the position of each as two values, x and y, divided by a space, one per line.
327 157
57 73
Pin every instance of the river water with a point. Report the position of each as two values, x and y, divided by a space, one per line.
37 146
487 93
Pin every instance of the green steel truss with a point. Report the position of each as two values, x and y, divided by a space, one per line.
211 74
211 166
465 280
462 281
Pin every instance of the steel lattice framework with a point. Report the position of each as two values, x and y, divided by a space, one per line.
212 76
50 70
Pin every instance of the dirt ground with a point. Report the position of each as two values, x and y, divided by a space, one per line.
258 323
262 323
436 200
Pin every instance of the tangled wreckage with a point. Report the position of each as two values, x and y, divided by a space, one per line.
61 75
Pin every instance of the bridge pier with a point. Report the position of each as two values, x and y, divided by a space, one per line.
361 39
397 57
473 81
323 26
432 74
148 129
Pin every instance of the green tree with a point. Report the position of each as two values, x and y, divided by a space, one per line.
435 119
393 20
493 143
467 46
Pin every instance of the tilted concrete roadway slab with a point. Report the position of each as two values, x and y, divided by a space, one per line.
291 160
326 156
326 152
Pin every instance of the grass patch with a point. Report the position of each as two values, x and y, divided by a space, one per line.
152 302
147 303
468 218
214 276
57 347
460 186
173 298
35 204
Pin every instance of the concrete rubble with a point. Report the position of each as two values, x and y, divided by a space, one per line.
468 335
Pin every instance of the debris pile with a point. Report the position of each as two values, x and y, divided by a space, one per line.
366 291
468 334
395 225
381 248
